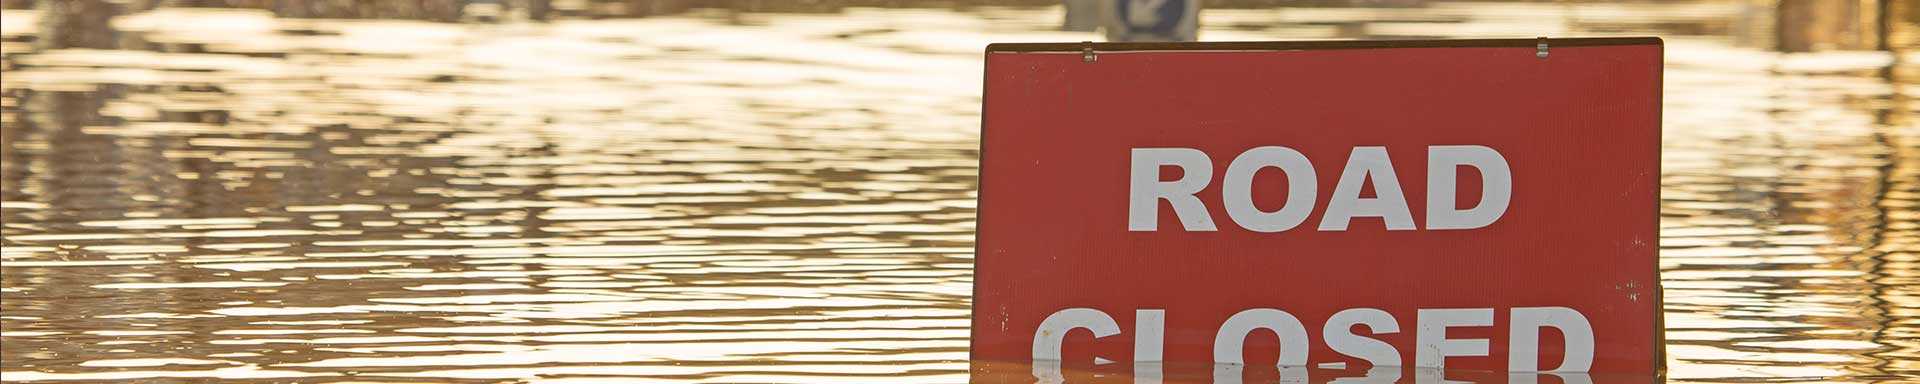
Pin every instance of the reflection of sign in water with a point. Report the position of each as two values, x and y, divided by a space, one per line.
1473 204
1152 20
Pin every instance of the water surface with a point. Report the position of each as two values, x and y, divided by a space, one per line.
774 197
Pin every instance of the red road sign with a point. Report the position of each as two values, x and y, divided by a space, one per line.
1472 204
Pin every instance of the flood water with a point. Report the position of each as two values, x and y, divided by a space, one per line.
771 197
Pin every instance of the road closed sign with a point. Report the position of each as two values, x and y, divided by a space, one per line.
1485 205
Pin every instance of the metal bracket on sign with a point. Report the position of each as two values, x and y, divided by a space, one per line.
1540 49
1086 52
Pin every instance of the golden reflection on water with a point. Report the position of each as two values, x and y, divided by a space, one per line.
773 197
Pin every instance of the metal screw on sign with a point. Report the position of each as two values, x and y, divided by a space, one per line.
1541 48
1086 52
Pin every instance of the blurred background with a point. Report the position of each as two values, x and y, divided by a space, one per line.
783 191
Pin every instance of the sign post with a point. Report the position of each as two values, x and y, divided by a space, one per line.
1483 205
